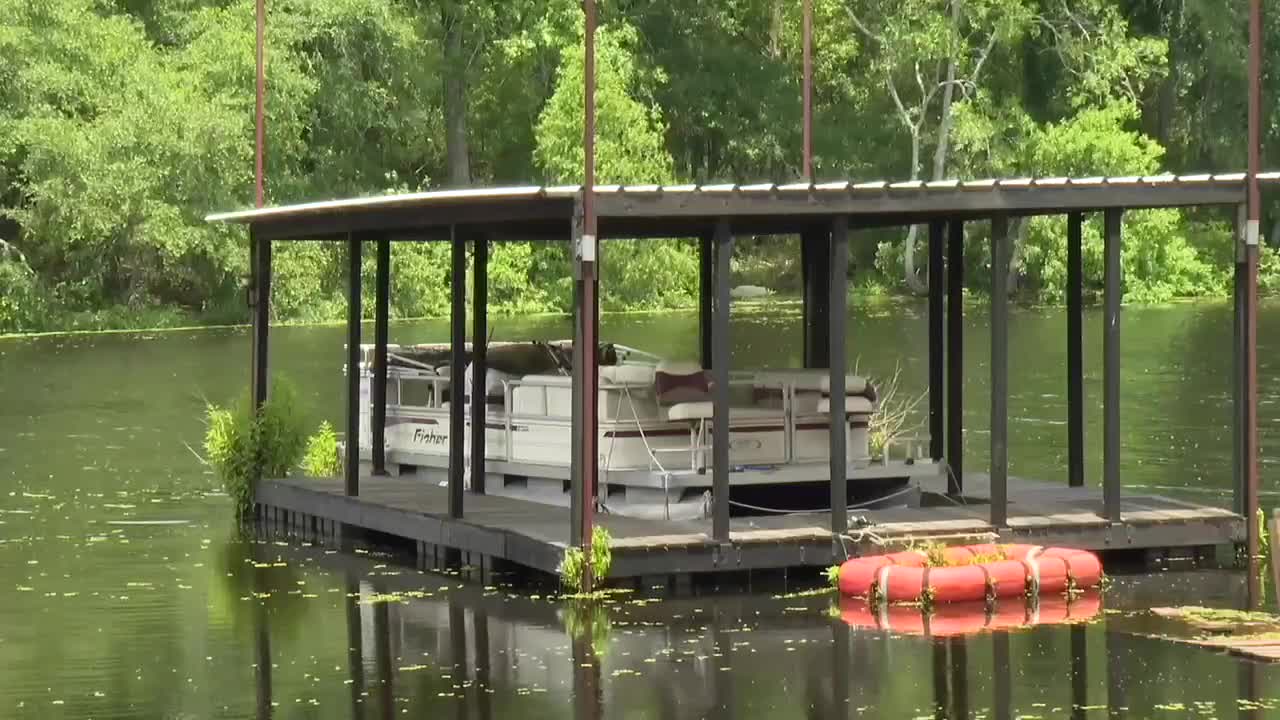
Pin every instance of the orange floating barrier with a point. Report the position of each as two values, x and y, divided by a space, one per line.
970 573
969 617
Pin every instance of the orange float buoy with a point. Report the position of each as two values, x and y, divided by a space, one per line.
968 617
1013 570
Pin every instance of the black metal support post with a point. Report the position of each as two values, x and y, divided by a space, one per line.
937 240
576 535
720 386
955 357
381 336
838 423
479 364
813 255
706 257
457 369
352 474
1239 297
1075 351
1000 371
1111 368
260 257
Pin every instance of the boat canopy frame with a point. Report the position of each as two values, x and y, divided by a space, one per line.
823 215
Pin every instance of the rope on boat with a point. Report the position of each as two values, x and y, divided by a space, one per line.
858 506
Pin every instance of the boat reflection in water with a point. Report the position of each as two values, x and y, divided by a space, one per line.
423 645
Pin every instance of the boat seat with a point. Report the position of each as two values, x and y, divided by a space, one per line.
853 405
853 384
704 410
627 374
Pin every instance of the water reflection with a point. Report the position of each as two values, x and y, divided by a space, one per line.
420 644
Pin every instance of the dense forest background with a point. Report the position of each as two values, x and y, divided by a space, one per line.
123 122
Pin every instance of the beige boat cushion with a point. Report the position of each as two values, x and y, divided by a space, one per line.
853 405
704 410
627 374
809 379
853 384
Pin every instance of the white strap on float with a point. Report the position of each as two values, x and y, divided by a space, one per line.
1034 565
882 605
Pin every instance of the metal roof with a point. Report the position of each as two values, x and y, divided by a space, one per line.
538 212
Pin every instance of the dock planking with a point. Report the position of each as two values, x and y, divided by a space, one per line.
534 535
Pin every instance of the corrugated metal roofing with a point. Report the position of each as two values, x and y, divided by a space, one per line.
535 193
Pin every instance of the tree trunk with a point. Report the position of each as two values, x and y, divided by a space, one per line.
455 97
914 284
1019 235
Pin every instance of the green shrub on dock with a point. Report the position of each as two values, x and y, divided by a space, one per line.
573 565
321 457
244 446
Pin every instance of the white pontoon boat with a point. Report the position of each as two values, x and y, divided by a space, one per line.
655 421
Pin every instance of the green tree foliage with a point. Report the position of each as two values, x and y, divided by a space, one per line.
124 122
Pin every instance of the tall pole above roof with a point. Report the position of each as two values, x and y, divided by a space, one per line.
1251 280
259 110
588 311
807 82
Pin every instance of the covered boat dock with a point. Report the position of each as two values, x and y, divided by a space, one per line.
453 524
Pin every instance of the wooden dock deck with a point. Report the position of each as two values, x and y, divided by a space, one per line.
534 535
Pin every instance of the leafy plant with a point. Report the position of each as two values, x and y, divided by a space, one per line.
573 565
833 576
244 446
321 456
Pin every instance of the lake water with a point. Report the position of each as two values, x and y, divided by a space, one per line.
126 590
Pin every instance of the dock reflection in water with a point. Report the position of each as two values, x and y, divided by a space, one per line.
426 645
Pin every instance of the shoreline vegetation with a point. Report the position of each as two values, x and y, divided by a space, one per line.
122 125
784 304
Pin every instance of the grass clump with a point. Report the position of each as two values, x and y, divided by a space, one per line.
833 576
573 565
321 459
244 446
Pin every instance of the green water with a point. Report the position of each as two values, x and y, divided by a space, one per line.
124 591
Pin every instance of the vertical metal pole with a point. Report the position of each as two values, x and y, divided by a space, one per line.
1238 295
259 106
999 371
807 100
937 238
576 536
381 336
955 357
479 364
590 312
1075 351
352 476
706 257
457 369
1252 232
838 423
261 260
1111 368
720 386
